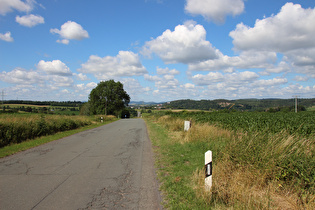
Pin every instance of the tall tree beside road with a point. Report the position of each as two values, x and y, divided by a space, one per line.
108 97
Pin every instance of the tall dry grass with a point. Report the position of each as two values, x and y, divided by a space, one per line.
252 170
29 118
171 123
197 132
18 128
247 188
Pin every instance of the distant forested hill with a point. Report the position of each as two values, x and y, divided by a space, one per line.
241 104
46 103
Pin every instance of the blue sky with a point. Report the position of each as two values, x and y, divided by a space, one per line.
161 50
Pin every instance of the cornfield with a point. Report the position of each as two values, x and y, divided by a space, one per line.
302 123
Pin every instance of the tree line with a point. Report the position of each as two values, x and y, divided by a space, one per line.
45 103
272 105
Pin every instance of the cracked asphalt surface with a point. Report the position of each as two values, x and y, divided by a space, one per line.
109 167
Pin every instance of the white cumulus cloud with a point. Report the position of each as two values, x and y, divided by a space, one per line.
7 6
211 77
166 82
30 20
21 76
270 82
279 68
280 43
246 60
290 32
126 63
60 81
135 89
55 67
70 30
232 79
215 10
168 87
63 41
152 78
6 37
186 44
91 85
31 78
167 71
300 78
292 28
81 76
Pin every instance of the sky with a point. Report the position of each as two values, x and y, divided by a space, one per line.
160 50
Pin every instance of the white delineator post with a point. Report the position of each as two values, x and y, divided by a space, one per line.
208 170
187 125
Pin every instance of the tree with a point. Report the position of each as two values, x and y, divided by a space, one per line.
108 97
85 109
29 109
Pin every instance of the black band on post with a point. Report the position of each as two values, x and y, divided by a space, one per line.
208 169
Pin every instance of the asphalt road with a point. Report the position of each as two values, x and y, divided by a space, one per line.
109 167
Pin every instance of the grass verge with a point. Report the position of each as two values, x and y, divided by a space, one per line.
15 148
175 163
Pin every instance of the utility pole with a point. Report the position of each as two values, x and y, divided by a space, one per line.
2 94
2 97
296 103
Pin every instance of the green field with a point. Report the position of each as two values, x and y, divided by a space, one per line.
260 160
46 109
301 123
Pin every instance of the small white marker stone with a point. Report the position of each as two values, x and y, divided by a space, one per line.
187 125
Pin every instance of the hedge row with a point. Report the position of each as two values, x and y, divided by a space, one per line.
19 130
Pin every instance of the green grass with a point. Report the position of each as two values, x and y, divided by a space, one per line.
311 109
176 163
15 148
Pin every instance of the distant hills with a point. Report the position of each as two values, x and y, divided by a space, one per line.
133 103
240 104
251 104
